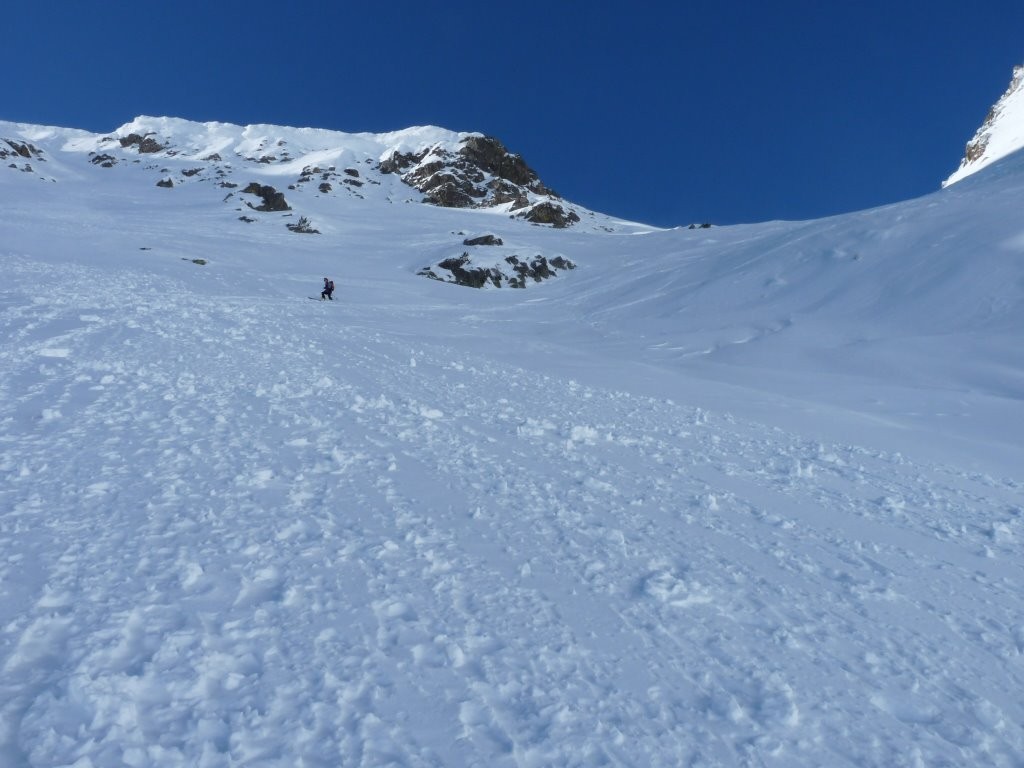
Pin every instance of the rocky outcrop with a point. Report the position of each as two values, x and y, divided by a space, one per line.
551 213
19 149
464 274
537 269
482 173
272 199
104 160
513 272
144 144
490 155
483 240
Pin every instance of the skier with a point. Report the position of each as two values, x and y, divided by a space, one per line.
328 290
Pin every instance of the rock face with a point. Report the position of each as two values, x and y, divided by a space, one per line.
145 144
303 226
550 213
272 199
511 271
18 148
482 173
1001 134
483 240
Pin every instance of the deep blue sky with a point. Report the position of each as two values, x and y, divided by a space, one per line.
665 112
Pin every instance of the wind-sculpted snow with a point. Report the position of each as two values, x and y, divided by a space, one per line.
276 532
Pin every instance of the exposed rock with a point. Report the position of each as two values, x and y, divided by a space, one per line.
537 269
489 154
505 192
399 162
519 274
474 277
482 173
214 158
351 172
104 161
272 199
325 187
303 226
246 219
191 171
447 193
144 144
999 134
165 183
551 213
483 240
26 150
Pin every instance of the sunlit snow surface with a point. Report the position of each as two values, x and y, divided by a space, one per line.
1001 134
727 497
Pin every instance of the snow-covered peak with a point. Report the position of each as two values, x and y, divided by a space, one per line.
446 168
1001 134
195 138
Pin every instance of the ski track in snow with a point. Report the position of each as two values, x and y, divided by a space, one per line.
225 541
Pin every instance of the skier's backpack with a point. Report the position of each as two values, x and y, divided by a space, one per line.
330 285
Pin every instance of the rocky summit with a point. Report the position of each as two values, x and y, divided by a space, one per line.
436 166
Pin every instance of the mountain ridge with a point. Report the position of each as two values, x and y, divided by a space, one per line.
451 169
1000 134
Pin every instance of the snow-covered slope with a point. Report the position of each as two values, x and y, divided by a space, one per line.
441 167
735 496
1001 134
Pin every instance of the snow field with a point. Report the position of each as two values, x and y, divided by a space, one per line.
277 532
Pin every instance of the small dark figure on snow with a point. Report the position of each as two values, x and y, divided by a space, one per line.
328 290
